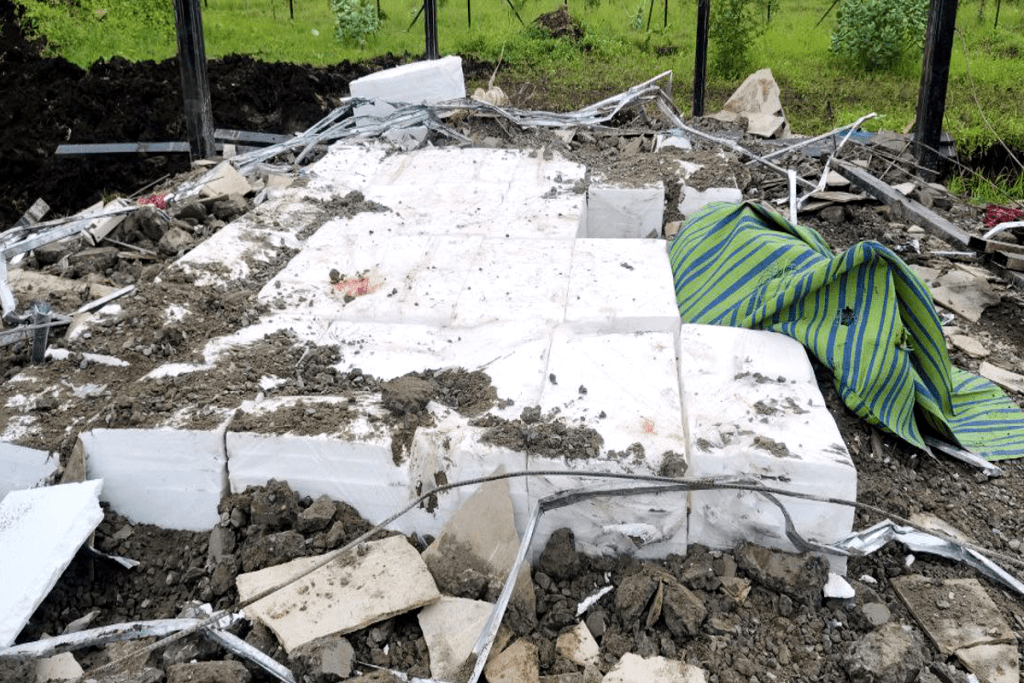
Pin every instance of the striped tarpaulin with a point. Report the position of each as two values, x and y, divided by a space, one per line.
864 314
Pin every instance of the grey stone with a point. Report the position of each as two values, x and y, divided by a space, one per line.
317 516
683 611
209 672
876 613
800 576
174 241
223 576
194 210
324 661
276 506
559 560
890 654
228 209
222 542
273 549
596 623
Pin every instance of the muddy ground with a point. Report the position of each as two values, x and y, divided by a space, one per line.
778 631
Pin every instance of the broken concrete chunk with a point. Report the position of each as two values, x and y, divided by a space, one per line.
209 672
317 516
230 208
991 663
889 653
515 664
174 241
225 180
802 576
62 667
40 532
324 661
1010 381
757 99
579 646
451 627
969 345
955 613
379 580
965 294
481 537
636 669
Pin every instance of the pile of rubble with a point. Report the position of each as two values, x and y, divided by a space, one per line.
294 586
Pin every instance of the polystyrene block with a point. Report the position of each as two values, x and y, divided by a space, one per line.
514 355
24 468
692 200
622 211
256 238
429 81
621 285
167 476
516 280
40 532
413 279
345 168
753 409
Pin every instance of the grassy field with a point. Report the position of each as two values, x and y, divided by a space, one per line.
985 102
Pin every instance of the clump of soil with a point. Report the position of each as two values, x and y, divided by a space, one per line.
543 435
559 24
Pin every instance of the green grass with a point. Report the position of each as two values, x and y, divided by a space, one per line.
819 91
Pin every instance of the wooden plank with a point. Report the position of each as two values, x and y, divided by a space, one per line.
902 207
931 97
700 62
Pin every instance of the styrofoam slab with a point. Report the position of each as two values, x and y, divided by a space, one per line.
24 468
415 279
619 211
623 385
449 166
621 285
434 80
692 200
514 355
516 280
258 236
754 410
170 477
40 532
346 167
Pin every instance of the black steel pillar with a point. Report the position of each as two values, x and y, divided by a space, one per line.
430 20
196 88
700 62
931 98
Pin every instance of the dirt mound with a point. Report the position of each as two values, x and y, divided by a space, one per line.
49 101
559 24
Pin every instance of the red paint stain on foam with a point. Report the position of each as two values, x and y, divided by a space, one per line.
648 426
358 286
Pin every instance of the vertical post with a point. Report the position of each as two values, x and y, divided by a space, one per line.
40 316
196 88
469 15
931 98
665 25
700 62
430 20
999 3
291 8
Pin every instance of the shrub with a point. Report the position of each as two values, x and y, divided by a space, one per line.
874 34
354 19
735 25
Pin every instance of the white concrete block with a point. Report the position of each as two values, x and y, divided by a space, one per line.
616 210
636 669
40 532
24 468
170 476
621 285
579 646
753 409
225 180
387 579
673 138
692 200
427 81
413 279
516 280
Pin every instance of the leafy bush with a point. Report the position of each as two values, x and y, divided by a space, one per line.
354 19
874 34
735 25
